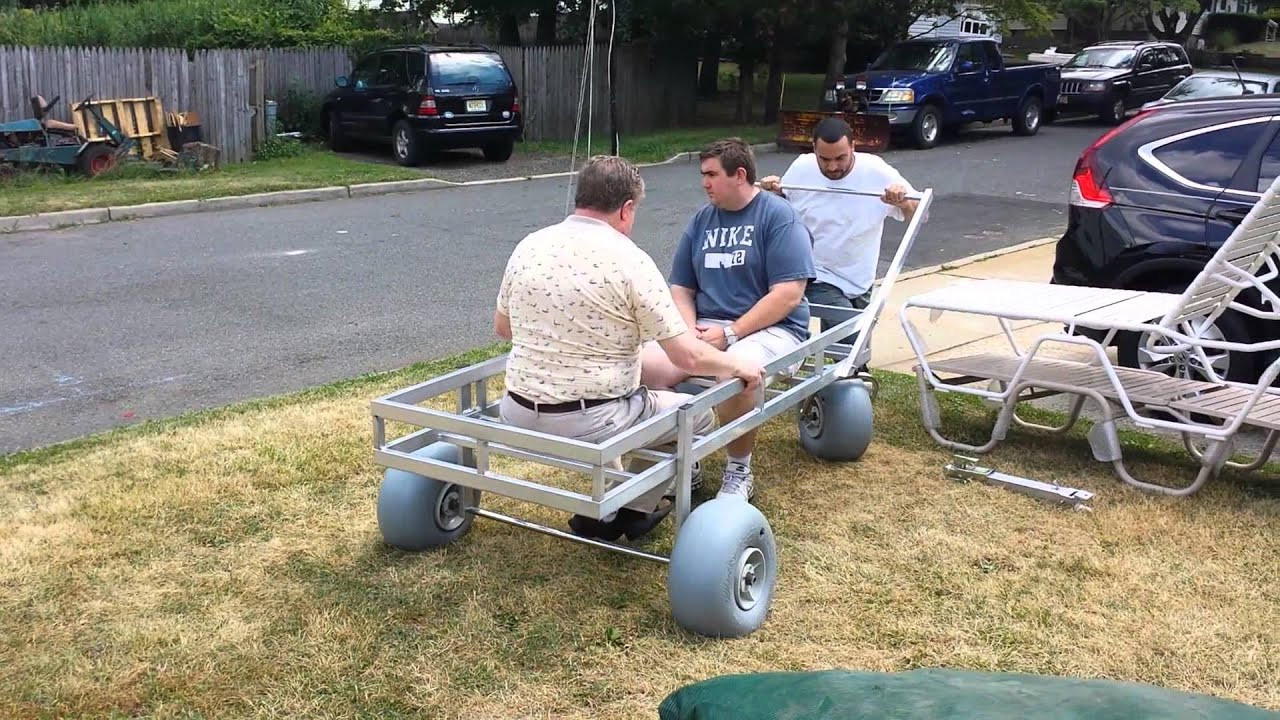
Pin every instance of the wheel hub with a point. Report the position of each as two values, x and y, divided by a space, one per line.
811 416
752 578
450 513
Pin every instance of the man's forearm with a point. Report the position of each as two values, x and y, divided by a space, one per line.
685 300
769 310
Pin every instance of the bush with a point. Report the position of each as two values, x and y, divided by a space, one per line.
275 147
299 111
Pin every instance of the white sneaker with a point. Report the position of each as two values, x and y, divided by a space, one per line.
696 481
737 482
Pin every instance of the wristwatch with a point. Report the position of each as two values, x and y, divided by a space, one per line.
730 336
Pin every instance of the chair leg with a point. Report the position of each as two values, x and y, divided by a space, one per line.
1077 404
1211 463
931 413
1263 457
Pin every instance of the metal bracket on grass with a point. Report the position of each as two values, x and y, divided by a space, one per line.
967 468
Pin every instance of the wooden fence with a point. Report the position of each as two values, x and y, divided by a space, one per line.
222 86
655 90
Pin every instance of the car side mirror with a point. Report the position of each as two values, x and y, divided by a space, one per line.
966 66
340 81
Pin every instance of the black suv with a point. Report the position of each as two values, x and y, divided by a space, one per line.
427 97
1108 79
1153 199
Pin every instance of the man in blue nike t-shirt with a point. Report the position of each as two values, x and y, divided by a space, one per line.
738 277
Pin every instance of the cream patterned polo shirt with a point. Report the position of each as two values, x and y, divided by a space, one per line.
582 298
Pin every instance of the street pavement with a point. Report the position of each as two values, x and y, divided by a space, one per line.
118 323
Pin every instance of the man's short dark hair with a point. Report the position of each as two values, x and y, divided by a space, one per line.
734 153
606 183
831 129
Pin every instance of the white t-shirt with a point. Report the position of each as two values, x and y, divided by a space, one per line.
846 228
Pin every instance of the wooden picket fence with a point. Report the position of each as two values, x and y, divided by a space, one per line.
227 88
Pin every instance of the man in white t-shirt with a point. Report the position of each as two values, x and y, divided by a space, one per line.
846 229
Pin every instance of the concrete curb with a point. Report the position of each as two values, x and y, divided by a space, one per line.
92 216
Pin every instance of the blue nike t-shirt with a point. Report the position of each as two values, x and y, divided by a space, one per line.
732 258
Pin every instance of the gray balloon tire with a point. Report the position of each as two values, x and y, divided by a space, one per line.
408 503
844 425
703 575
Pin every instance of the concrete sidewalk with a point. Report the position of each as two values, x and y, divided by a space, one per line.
954 333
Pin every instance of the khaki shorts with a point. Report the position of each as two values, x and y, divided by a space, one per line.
763 346
600 423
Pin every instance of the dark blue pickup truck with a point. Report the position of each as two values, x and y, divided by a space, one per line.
926 86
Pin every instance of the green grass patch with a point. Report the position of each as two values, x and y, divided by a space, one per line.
31 193
229 563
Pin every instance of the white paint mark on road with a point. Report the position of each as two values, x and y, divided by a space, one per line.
291 253
69 381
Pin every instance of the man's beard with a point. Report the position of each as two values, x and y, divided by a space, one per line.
839 174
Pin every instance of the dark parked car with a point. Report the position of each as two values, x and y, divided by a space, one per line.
427 97
1109 79
1153 199
1220 83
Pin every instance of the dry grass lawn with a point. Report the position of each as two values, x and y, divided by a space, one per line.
229 565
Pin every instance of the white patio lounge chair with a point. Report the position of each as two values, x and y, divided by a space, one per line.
1212 409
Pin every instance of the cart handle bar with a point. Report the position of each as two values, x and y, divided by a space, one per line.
843 191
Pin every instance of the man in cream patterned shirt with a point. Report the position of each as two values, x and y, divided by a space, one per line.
578 300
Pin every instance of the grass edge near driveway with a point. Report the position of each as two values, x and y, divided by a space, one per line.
315 167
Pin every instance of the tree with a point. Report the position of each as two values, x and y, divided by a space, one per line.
1174 22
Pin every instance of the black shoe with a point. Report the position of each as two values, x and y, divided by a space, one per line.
584 526
637 524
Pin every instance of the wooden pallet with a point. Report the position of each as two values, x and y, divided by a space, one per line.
795 130
142 119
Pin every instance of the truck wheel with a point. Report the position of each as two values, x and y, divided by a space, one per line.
405 144
332 126
927 127
1115 111
1027 121
499 150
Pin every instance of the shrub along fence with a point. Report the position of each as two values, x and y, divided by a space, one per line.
228 88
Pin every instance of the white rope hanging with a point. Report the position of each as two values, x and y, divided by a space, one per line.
586 90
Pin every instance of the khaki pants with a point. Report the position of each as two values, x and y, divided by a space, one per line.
600 423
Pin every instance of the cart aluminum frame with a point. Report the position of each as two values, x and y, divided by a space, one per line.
477 434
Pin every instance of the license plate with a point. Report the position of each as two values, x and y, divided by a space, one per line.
1062 99
477 106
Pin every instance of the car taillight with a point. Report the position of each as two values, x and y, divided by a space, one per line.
515 105
1088 187
428 106
1088 190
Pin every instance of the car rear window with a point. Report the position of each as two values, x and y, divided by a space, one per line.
461 70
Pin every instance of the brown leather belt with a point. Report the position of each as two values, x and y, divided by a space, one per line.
560 407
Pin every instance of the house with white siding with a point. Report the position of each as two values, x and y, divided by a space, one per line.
969 21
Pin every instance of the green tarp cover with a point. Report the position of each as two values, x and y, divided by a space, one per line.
934 694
